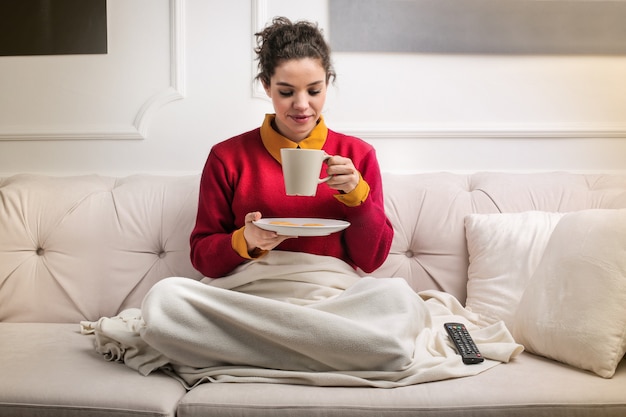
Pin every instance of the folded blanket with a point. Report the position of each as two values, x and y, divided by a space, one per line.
299 319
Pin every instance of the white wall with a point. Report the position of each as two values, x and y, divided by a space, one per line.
145 107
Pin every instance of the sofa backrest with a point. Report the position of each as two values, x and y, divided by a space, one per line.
428 210
81 247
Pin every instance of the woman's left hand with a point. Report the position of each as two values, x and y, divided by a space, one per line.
345 177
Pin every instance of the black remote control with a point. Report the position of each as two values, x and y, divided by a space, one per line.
464 343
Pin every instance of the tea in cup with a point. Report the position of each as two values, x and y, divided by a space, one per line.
301 170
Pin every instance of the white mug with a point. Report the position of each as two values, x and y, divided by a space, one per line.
301 169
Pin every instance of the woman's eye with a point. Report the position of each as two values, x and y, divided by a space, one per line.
285 93
314 92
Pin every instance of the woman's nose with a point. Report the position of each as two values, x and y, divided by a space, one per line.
300 101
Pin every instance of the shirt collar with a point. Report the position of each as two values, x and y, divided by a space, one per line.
274 141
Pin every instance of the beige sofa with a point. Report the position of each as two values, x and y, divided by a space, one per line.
78 248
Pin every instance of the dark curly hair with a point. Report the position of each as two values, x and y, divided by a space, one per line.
283 40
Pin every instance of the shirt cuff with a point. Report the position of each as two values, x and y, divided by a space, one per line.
239 244
357 196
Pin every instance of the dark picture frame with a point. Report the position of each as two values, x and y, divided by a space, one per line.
53 27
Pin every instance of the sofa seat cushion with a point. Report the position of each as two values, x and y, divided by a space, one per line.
528 386
50 369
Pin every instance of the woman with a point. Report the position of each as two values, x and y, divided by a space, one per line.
242 179
241 318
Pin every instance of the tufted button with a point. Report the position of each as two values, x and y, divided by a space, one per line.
162 254
409 253
40 251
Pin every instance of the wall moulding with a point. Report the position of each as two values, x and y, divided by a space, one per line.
493 131
260 16
558 125
100 97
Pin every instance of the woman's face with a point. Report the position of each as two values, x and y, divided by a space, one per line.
298 92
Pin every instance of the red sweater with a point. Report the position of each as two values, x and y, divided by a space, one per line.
241 176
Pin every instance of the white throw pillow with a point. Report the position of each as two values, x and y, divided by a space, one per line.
574 308
504 250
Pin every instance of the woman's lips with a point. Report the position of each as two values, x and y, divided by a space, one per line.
301 119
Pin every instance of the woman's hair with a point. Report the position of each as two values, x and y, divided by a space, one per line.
283 40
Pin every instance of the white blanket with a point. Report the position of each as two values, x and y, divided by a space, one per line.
298 319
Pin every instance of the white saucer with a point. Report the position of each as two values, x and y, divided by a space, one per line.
302 226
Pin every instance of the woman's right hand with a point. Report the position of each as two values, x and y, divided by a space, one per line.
257 238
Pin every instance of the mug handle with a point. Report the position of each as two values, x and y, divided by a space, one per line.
326 158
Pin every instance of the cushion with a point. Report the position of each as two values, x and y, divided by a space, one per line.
504 250
50 369
574 307
529 386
